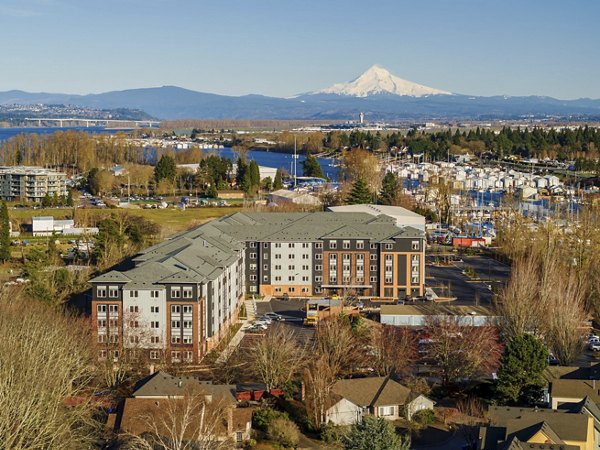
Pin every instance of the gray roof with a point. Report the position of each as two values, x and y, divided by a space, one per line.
200 254
372 391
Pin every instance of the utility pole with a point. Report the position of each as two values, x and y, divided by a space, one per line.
295 164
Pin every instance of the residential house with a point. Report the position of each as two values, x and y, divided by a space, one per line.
378 396
532 428
160 398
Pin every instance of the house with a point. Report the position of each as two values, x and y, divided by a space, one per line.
379 396
567 391
162 398
532 428
415 315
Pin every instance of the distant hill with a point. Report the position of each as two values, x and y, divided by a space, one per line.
377 93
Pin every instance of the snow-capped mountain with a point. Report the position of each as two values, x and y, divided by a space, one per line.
377 80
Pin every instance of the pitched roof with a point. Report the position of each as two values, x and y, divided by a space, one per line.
372 391
578 389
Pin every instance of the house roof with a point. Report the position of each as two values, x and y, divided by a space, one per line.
372 391
436 309
577 389
163 385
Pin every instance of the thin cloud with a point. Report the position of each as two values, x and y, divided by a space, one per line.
32 8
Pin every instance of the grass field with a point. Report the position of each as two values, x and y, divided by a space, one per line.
171 220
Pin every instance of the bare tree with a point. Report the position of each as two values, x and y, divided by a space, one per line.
45 367
195 421
462 351
393 349
473 416
277 357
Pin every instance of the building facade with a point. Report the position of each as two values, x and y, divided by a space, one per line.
31 184
183 294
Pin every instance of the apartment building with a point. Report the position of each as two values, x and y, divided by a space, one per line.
31 184
182 295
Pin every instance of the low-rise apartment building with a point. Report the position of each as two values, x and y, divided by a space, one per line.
31 184
183 294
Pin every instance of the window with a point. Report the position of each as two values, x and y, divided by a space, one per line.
373 279
332 257
389 258
360 257
115 354
252 256
265 245
346 244
277 289
318 290
265 278
305 256
304 278
113 323
373 268
101 292
266 256
134 309
175 309
187 292
291 256
415 259
291 278
252 266
278 245
175 292
176 339
155 339
305 245
291 245
415 280
389 246
187 356
102 323
252 245
102 354
113 339
154 354
187 309
415 245
252 289
346 268
101 338
187 324
277 256
239 436
388 280
360 245
277 267
291 289
278 278
373 246
386 411
265 267
187 339
176 356
113 292
252 277
134 339
318 278
373 257
113 309
154 294
133 324
304 267
154 324
319 256
332 278
154 309
175 324
318 267
319 245
332 244
346 256
291 267
133 294
101 308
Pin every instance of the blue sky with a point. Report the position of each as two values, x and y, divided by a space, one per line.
284 47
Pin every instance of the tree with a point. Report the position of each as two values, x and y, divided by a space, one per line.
359 163
359 193
277 357
278 182
69 200
390 189
520 376
166 169
393 349
284 432
38 343
311 167
4 233
462 351
375 433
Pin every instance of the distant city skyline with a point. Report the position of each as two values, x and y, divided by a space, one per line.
285 47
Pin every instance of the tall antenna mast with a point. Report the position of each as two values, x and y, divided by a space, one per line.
295 163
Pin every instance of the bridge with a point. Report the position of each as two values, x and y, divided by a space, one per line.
74 121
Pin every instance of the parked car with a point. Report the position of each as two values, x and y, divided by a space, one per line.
274 316
264 318
594 346
260 324
593 338
552 360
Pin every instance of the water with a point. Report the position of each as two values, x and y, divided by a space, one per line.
262 158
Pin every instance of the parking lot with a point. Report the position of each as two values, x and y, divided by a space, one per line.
451 281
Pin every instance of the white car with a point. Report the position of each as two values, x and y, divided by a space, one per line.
259 324
594 346
274 316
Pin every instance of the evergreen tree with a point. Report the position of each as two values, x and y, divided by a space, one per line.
278 182
242 168
311 167
254 174
375 433
212 192
390 188
520 376
69 201
359 193
166 169
4 233
46 201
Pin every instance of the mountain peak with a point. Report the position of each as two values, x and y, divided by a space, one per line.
377 80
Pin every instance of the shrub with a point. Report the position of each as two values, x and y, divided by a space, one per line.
424 417
333 434
284 432
262 418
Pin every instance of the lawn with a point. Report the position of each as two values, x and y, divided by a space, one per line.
171 220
